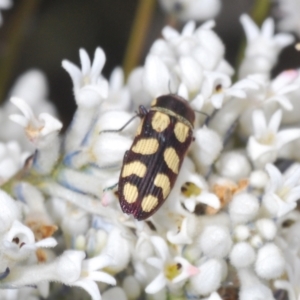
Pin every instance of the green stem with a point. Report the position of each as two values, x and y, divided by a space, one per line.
138 35
260 11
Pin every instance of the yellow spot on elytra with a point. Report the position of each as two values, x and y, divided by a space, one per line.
130 192
149 203
162 181
136 167
190 189
146 146
172 271
181 132
160 121
139 129
172 159
153 103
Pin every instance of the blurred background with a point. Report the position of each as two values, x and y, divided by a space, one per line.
41 33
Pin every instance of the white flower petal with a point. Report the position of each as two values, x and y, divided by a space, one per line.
275 121
209 199
267 28
49 242
259 122
156 285
90 286
73 71
285 136
98 63
250 28
21 120
85 62
102 277
275 177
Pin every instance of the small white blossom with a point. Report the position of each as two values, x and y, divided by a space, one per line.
171 271
270 263
38 129
263 47
267 140
90 88
282 192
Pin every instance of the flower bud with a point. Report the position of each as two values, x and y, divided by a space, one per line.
243 208
241 232
266 228
258 179
233 165
208 279
242 255
215 241
207 146
270 263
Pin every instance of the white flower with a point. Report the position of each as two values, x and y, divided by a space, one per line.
217 88
197 10
267 140
90 88
182 58
263 47
19 242
38 129
171 271
89 274
282 192
195 191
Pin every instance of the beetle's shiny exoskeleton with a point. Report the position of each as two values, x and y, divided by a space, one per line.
152 164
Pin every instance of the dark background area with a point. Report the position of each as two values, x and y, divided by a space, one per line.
41 33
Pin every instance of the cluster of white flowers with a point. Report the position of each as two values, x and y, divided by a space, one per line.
230 224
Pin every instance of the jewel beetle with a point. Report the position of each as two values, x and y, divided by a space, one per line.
151 166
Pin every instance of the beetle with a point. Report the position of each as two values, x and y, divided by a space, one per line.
151 166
